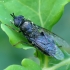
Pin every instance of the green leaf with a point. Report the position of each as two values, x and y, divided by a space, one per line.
43 13
30 65
27 64
15 67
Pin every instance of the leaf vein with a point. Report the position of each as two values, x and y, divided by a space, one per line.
29 7
49 14
40 17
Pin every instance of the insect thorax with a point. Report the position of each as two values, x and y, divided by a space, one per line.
29 29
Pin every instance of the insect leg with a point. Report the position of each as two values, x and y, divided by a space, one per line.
13 28
21 42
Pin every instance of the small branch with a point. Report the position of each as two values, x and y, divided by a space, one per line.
67 61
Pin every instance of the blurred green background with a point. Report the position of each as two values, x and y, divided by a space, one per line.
10 55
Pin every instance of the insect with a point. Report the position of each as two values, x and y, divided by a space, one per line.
41 38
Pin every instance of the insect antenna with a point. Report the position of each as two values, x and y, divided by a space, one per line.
12 28
13 15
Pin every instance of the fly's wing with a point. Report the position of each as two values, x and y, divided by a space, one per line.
58 55
47 46
59 41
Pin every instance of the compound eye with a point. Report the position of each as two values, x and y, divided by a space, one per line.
18 21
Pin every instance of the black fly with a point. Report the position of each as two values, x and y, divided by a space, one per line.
41 38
